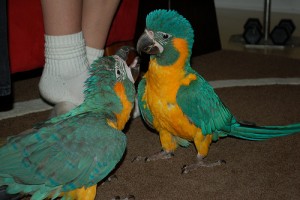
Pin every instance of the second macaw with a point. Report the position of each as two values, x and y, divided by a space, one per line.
69 154
178 102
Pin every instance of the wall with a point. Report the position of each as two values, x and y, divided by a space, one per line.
283 6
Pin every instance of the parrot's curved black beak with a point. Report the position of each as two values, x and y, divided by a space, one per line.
147 44
133 70
124 51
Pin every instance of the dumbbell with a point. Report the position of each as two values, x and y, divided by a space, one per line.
252 31
282 32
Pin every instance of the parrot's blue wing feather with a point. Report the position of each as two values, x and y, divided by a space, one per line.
145 112
202 106
64 155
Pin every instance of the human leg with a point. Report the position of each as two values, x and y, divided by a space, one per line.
69 26
66 64
97 16
62 17
95 28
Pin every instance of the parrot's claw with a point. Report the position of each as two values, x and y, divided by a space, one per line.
158 156
139 158
129 197
200 163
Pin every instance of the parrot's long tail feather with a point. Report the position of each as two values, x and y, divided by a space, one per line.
252 132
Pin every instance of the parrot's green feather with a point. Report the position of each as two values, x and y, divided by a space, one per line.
182 142
99 94
170 22
213 117
262 132
63 155
208 112
74 150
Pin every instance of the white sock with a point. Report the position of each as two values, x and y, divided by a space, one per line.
92 54
65 70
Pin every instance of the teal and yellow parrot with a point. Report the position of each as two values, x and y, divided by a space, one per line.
178 102
69 154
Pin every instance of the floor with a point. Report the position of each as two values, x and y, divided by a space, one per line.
231 24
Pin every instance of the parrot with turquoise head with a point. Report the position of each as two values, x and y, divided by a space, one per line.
67 155
178 102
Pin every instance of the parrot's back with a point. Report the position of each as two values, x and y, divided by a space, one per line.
76 157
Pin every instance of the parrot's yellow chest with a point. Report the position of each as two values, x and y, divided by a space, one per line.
124 115
161 89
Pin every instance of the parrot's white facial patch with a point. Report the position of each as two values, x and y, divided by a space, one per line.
122 70
151 36
163 38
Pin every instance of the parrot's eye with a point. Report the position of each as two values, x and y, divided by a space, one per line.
165 36
120 71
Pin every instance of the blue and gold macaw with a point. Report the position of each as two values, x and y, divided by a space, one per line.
178 102
69 154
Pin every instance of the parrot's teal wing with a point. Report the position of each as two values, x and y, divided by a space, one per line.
60 118
145 112
202 106
76 152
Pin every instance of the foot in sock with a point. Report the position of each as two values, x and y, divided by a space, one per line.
66 68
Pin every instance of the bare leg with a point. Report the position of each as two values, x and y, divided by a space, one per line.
97 16
96 21
62 17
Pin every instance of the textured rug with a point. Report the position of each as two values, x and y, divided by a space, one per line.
258 88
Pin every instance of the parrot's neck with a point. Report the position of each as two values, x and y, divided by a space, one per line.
123 116
168 76
112 98
162 76
164 82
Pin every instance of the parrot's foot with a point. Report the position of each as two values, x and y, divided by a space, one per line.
200 163
129 197
62 108
158 156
